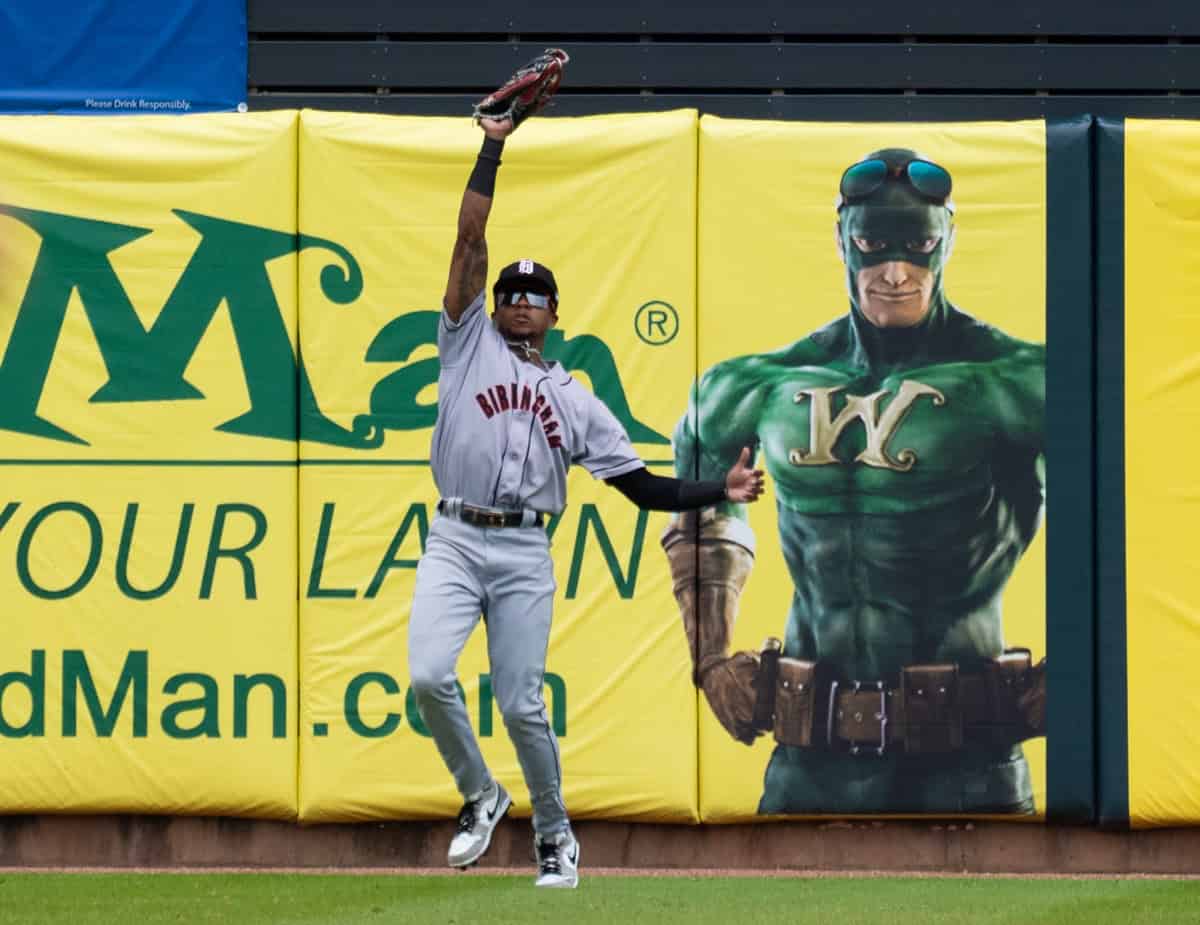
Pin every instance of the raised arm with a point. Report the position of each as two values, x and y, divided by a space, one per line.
469 262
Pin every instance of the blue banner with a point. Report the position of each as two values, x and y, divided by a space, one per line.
122 56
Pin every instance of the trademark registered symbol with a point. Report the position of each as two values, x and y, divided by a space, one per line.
656 323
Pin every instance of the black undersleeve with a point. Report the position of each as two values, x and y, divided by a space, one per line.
660 493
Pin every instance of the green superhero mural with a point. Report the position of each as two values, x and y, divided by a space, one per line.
905 442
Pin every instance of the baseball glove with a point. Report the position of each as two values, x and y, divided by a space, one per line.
527 91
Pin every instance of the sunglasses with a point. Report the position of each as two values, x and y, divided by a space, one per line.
925 177
535 299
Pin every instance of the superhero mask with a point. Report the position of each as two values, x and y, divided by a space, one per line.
888 215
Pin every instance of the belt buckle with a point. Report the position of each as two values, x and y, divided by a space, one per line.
857 748
492 519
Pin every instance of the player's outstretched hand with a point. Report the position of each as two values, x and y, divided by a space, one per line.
743 484
498 129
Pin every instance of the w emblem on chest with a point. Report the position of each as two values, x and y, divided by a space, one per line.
824 429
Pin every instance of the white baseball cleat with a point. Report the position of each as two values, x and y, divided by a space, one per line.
558 860
477 820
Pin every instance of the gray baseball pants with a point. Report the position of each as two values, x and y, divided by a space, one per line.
505 574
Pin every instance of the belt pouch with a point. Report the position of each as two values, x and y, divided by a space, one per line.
1007 679
931 709
795 701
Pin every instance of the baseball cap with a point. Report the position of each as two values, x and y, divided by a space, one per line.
526 274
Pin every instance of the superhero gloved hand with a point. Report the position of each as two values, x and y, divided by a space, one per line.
729 687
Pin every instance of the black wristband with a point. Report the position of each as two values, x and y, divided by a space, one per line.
491 148
483 177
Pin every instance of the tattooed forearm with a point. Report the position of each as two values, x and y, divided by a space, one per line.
474 275
469 263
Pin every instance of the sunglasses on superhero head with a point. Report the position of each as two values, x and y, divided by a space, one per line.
925 177
535 299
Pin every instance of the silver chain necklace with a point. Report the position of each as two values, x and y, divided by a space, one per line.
526 351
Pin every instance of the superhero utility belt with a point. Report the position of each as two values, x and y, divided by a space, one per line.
934 708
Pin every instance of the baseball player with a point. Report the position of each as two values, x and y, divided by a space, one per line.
510 424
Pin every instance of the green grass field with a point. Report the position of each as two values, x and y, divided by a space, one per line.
247 899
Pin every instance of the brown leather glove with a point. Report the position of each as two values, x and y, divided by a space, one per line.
728 685
711 556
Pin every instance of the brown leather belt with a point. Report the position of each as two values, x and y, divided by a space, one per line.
934 708
482 517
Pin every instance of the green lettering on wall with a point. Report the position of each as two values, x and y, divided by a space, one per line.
394 404
123 553
7 513
208 703
350 705
77 678
624 581
73 256
558 702
589 354
228 267
416 514
242 686
33 681
95 543
487 703
239 553
318 561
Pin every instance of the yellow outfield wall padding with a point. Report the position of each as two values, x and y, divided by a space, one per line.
220 382
769 276
609 204
1162 409
148 509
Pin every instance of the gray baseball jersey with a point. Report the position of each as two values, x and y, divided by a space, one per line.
507 431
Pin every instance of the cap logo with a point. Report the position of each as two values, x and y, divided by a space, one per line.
525 266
